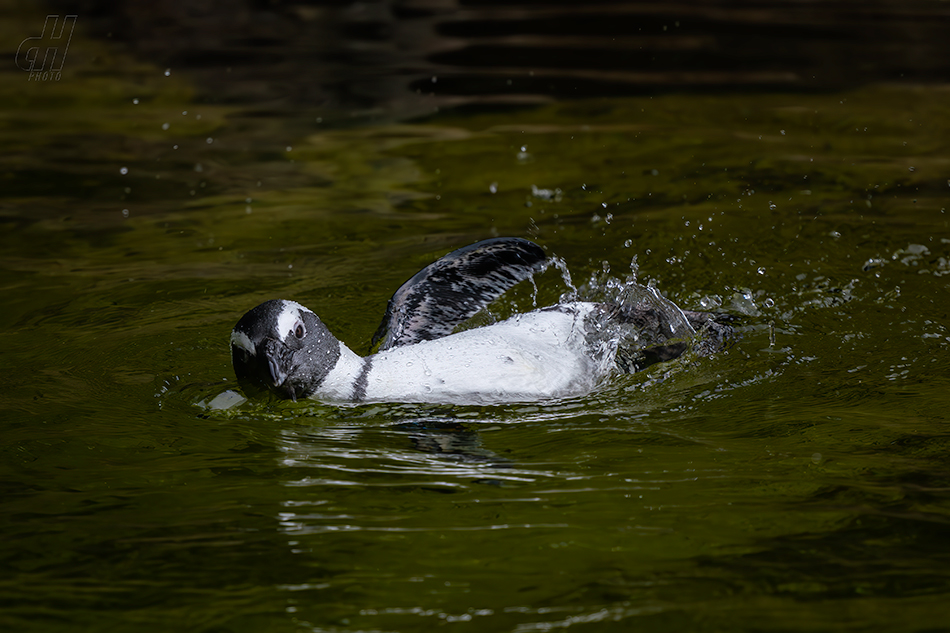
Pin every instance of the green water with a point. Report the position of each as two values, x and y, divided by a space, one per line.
798 481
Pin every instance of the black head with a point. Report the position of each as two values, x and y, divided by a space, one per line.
282 346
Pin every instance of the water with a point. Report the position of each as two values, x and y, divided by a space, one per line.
797 481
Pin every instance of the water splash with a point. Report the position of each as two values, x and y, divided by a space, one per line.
637 326
561 266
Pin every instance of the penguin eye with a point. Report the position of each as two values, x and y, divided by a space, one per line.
299 330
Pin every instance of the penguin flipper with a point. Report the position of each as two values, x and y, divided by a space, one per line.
452 289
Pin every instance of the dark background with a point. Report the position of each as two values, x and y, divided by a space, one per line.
401 58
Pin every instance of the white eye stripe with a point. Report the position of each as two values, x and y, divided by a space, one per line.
240 339
289 318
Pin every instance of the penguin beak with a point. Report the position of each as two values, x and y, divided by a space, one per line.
268 367
278 361
274 373
278 377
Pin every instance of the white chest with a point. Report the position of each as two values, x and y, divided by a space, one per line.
533 356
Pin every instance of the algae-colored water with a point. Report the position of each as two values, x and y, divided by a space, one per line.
798 481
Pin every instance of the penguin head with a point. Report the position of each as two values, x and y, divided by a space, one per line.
283 347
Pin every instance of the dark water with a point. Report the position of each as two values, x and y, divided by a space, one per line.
798 481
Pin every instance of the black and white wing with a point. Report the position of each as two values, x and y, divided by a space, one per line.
448 291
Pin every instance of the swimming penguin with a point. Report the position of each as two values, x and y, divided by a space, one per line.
560 351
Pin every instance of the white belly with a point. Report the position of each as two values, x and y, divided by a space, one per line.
529 357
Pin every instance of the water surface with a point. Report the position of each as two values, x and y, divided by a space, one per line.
797 481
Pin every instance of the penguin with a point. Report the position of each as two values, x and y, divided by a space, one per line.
560 351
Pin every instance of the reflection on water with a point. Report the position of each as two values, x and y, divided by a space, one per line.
796 481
